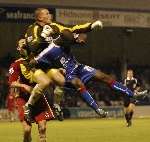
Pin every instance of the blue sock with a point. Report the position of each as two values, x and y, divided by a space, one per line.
120 87
88 98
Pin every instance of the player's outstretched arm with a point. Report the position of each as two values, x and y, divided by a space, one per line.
82 28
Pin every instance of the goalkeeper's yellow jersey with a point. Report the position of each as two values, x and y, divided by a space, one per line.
36 43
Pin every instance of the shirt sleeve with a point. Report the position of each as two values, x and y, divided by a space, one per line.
28 74
34 40
83 28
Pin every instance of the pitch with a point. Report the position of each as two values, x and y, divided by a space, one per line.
85 130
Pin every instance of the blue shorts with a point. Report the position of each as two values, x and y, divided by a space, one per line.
83 72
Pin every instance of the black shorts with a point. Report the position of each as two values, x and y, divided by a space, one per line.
127 100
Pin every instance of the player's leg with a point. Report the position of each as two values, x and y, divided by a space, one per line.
131 106
42 130
42 81
126 100
26 132
129 110
56 76
87 97
77 77
112 83
20 102
10 103
12 115
42 113
58 95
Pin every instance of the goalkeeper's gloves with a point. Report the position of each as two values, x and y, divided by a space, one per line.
47 30
97 23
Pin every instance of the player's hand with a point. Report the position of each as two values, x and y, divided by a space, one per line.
26 87
47 30
15 84
97 23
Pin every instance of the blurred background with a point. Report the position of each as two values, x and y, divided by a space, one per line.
123 43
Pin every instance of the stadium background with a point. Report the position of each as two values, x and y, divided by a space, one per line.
112 49
123 43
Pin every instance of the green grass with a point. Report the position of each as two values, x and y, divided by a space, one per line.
92 130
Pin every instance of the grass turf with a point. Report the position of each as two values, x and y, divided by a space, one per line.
92 130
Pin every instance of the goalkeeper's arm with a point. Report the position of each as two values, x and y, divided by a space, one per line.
83 28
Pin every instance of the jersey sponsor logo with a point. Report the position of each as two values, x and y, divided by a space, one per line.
88 68
62 60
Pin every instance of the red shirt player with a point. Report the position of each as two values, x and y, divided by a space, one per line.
21 88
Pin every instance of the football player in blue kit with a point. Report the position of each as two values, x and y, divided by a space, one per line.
57 54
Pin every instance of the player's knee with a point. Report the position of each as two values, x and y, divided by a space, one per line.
77 83
27 134
56 76
52 72
27 129
41 78
45 83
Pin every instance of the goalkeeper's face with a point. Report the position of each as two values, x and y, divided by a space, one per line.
45 16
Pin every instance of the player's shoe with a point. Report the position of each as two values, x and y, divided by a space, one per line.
102 113
58 112
28 109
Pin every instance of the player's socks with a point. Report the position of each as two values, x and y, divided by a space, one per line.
27 137
42 137
130 119
88 98
120 87
130 115
127 117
